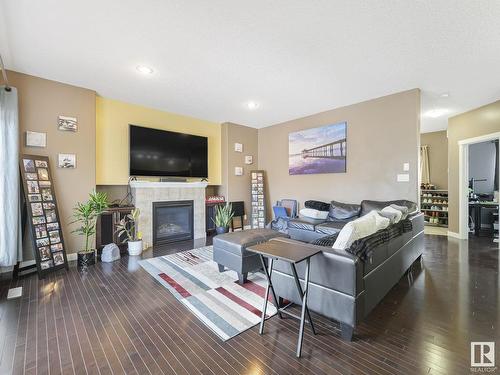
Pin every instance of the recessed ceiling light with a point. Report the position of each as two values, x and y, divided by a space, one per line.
144 69
438 112
445 95
253 105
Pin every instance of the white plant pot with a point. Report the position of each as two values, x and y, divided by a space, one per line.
135 247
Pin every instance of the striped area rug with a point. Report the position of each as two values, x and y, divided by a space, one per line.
217 299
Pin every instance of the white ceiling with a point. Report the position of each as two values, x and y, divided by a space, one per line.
294 57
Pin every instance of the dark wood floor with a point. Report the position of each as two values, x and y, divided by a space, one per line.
117 319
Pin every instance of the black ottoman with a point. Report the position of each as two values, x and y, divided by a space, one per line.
230 250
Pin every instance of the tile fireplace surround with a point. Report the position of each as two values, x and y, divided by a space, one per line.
145 193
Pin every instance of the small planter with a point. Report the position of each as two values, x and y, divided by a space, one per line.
135 247
85 259
221 230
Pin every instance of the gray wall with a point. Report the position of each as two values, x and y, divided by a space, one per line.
482 166
382 134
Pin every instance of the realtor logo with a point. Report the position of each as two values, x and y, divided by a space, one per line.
482 354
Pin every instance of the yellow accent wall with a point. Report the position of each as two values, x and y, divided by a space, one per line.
112 150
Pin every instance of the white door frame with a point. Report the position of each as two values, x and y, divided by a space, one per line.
463 182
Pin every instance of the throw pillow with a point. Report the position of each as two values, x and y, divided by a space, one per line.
392 216
343 211
393 211
317 205
403 209
356 229
313 214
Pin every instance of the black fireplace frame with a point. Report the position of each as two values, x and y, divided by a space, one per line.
176 238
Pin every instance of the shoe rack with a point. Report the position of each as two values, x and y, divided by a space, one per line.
434 205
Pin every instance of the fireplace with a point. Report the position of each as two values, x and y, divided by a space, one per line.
172 221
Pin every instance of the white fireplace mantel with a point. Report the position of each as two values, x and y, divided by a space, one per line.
175 185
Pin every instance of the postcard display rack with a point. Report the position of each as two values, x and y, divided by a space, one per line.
258 205
42 214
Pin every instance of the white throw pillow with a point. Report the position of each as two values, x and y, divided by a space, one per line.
313 214
356 229
381 221
392 210
403 209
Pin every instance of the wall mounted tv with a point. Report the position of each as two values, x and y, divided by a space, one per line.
156 152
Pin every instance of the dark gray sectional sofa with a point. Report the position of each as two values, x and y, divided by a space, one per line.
342 286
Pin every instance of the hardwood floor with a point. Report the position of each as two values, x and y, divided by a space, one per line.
117 319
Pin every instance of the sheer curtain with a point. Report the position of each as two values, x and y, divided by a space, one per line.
424 164
10 219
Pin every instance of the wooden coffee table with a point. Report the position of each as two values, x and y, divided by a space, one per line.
292 254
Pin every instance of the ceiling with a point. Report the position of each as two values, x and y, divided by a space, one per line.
293 57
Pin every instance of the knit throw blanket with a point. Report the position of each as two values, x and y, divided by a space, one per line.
364 247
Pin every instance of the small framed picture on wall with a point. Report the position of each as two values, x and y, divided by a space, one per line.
66 161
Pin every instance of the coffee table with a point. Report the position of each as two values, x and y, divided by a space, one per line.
291 253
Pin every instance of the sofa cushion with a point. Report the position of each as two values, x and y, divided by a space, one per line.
369 205
311 213
343 211
304 223
317 205
330 227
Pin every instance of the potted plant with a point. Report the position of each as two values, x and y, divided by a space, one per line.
128 227
223 216
86 214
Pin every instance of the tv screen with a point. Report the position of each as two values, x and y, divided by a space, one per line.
156 152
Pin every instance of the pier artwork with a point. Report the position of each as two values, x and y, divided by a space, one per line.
318 150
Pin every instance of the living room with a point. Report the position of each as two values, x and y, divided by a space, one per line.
239 196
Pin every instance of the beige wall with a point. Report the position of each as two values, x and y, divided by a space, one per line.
382 134
438 157
113 119
481 121
237 188
40 103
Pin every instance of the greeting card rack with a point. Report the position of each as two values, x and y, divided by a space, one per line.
258 200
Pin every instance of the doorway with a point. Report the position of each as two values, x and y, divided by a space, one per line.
478 186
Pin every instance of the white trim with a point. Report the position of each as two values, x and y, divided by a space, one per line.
481 138
455 235
463 191
157 184
463 182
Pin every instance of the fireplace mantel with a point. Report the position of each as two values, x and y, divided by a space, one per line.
176 185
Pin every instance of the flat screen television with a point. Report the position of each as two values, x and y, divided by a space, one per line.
156 152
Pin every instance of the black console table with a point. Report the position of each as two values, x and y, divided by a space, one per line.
292 254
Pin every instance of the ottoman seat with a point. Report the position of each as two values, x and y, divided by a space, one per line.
229 250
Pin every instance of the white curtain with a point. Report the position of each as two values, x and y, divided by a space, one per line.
10 218
424 164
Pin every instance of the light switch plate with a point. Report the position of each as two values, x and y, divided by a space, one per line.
238 171
406 167
403 177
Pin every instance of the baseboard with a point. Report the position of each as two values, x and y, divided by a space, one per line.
72 256
455 235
